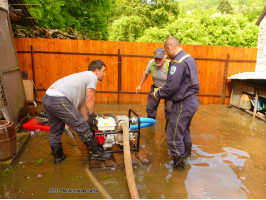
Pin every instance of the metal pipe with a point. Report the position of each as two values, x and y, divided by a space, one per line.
128 55
129 116
67 53
32 64
119 75
128 92
225 78
128 163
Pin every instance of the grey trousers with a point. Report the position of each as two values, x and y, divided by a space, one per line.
152 106
61 111
178 129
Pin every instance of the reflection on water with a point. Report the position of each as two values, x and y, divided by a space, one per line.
211 175
228 161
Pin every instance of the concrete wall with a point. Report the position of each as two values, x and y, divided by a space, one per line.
261 58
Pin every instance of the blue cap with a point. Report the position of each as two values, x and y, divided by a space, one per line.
159 53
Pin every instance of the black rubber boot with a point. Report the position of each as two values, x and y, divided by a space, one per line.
96 152
179 162
188 148
166 124
57 152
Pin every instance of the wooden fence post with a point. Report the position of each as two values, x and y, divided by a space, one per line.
225 77
32 64
119 76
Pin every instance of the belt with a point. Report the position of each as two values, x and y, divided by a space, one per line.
174 102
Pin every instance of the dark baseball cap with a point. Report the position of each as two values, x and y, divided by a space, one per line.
159 53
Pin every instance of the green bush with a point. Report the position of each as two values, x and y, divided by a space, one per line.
216 29
127 28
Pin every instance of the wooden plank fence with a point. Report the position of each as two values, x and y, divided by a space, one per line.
47 60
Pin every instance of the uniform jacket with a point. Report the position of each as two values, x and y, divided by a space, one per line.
182 79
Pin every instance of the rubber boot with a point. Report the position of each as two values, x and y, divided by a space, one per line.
57 152
188 148
166 124
179 162
96 152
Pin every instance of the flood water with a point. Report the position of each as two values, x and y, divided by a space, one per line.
228 161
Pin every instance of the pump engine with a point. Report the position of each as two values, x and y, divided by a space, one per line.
108 130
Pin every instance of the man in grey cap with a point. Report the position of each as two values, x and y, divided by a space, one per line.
158 67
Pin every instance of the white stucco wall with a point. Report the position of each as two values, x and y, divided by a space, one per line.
261 55
4 4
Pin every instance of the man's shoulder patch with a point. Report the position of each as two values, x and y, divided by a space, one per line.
175 61
172 70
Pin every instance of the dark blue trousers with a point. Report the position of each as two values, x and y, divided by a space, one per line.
178 130
61 111
152 106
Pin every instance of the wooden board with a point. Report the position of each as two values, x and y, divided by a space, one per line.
28 86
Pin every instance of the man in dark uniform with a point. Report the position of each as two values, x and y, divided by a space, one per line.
181 88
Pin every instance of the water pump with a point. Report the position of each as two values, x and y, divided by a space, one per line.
109 132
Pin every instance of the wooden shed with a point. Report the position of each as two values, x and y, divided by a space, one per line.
12 95
252 85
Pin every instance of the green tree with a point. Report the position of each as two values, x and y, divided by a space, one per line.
91 17
155 20
190 5
250 8
49 13
207 29
127 28
153 14
225 7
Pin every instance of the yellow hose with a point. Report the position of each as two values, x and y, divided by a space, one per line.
128 163
128 166
97 184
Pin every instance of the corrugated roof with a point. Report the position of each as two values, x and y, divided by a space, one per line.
255 78
249 75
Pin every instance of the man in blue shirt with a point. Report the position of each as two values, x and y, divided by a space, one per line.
181 88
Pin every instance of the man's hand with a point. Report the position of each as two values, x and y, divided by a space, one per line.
92 120
138 89
153 94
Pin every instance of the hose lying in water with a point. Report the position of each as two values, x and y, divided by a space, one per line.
128 166
128 163
145 122
101 189
97 184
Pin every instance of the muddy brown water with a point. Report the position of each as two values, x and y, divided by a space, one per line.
228 161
